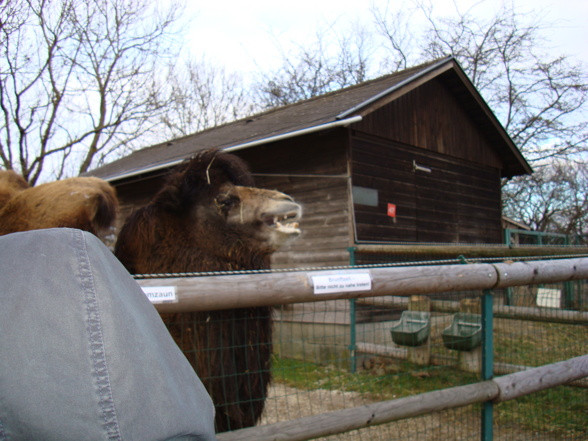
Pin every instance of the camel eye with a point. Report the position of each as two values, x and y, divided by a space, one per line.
226 202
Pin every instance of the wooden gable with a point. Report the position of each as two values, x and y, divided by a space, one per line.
424 154
432 118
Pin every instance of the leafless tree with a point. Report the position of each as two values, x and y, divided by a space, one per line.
400 40
202 95
554 199
540 99
316 69
78 80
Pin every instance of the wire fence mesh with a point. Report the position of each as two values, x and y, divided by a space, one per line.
315 359
340 354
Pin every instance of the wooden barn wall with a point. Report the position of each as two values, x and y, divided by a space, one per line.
135 193
457 202
313 169
431 117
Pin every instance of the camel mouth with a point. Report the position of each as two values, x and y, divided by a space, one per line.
285 223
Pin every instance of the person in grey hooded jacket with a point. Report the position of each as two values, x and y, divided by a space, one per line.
83 353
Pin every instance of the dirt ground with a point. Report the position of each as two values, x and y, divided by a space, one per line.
287 403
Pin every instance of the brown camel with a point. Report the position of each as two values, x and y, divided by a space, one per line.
88 204
209 217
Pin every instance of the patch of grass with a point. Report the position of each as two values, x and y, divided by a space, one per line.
560 411
538 343
408 379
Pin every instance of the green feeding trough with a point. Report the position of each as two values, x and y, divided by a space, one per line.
464 333
412 329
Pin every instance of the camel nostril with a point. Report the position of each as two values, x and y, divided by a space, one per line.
285 197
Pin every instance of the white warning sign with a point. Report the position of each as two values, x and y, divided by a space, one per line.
342 283
160 294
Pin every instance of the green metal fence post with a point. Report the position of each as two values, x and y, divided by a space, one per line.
487 362
508 243
352 328
568 295
507 233
352 259
352 337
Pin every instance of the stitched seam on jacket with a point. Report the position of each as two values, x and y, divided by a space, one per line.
94 329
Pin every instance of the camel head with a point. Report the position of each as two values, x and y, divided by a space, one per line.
271 217
215 191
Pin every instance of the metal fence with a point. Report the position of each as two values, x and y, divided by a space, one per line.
412 358
526 237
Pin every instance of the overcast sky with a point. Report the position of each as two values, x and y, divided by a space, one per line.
244 35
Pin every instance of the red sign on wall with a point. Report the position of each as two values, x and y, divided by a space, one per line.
391 210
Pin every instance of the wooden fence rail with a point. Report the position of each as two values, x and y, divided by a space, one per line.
499 389
270 289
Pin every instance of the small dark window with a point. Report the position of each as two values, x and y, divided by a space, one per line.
365 196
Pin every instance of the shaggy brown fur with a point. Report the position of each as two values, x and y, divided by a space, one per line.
88 204
208 217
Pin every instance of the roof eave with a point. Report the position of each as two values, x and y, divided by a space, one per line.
434 70
235 147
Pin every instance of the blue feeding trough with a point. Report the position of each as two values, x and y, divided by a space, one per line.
412 329
464 333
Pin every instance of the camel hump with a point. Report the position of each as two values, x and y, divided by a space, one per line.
11 183
105 205
86 203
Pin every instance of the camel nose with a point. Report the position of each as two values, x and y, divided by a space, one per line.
285 197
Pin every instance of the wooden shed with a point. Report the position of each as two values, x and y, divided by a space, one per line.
412 157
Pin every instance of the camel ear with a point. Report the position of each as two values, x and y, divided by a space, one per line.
171 197
198 180
184 187
236 170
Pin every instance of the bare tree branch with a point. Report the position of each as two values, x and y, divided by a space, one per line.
554 199
317 69
78 80
201 95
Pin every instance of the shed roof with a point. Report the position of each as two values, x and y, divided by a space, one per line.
339 108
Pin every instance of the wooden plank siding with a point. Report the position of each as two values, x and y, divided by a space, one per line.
432 117
313 169
135 193
457 202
